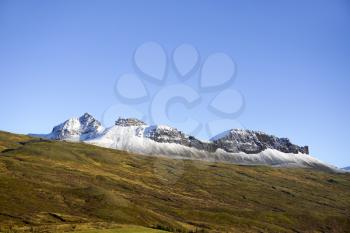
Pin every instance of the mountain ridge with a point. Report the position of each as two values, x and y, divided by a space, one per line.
237 146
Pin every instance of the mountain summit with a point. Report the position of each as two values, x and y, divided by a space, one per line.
75 129
233 146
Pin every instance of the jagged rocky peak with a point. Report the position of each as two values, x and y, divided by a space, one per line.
85 126
87 117
89 123
252 142
129 122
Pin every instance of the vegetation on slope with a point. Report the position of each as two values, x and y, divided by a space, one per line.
61 186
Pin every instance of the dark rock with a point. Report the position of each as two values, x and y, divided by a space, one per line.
129 122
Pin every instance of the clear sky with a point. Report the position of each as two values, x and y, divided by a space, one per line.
59 59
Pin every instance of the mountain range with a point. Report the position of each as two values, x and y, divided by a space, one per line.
238 146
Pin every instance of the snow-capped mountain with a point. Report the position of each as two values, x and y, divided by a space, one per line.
75 129
234 146
346 168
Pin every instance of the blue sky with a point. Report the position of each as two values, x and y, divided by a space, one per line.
59 59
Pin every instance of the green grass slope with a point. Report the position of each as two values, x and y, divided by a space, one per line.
50 186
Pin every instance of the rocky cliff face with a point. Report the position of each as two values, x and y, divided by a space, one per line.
253 142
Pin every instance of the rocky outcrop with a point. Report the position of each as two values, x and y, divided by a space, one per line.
253 142
129 122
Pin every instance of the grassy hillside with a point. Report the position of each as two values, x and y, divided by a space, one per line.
49 186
